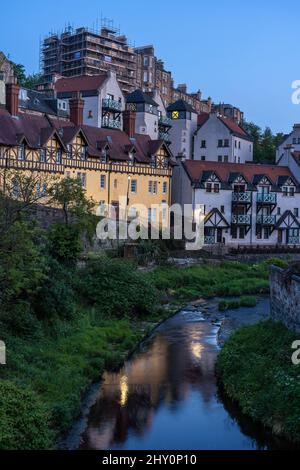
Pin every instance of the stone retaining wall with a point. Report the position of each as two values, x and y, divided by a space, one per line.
285 298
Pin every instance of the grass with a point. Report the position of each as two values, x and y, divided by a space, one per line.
244 301
57 366
226 279
256 369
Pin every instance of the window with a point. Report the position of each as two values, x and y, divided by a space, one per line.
146 61
216 188
278 210
152 214
203 158
21 152
266 233
102 181
203 144
226 158
258 234
133 186
69 151
83 153
42 155
226 143
242 232
296 212
288 191
115 183
220 143
239 145
294 140
235 143
152 187
208 187
165 187
234 232
220 158
58 156
222 209
82 178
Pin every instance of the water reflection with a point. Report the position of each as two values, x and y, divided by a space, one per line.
166 397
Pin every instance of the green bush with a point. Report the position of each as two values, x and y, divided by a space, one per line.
256 369
24 423
65 243
56 297
116 288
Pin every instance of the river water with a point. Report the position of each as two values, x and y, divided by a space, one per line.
167 397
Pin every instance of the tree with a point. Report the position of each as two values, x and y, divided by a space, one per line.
19 73
264 142
32 80
70 196
19 192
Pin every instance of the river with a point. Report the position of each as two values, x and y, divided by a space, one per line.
167 397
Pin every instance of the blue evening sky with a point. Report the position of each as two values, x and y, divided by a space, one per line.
242 52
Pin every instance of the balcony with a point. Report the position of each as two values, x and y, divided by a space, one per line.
267 198
111 123
241 219
293 241
112 105
165 121
266 219
242 198
164 136
209 240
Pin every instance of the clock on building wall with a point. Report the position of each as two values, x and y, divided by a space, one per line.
175 114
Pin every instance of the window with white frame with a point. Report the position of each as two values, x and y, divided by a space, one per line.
102 181
165 187
133 186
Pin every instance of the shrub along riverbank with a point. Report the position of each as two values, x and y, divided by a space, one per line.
63 324
256 369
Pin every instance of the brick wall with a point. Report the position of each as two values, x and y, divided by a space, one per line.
285 298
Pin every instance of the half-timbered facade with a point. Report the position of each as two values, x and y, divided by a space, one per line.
110 163
248 204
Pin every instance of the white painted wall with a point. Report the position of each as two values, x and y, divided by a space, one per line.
181 135
292 139
239 150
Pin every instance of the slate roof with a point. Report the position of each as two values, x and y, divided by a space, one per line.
199 170
138 96
38 129
181 105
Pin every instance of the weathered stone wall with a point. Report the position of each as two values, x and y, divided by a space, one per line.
285 298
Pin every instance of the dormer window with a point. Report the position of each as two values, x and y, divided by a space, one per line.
83 153
58 156
42 155
21 152
208 187
288 191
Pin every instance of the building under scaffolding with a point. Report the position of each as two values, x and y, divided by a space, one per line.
84 51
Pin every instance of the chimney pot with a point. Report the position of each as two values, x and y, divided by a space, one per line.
76 110
129 123
12 98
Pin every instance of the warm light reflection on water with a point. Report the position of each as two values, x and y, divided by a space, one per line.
166 397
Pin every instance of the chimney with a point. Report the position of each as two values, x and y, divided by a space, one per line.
76 110
129 123
12 98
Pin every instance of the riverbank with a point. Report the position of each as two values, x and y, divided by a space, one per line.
255 367
58 363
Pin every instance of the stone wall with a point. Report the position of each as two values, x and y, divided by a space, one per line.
285 298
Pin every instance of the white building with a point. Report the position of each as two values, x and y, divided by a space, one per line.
218 138
244 204
150 115
184 125
103 98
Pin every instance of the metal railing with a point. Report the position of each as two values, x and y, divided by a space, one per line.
268 198
242 197
165 121
111 123
241 219
164 136
266 219
109 103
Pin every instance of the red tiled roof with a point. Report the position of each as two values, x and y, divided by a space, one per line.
202 118
38 129
233 126
195 170
83 83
